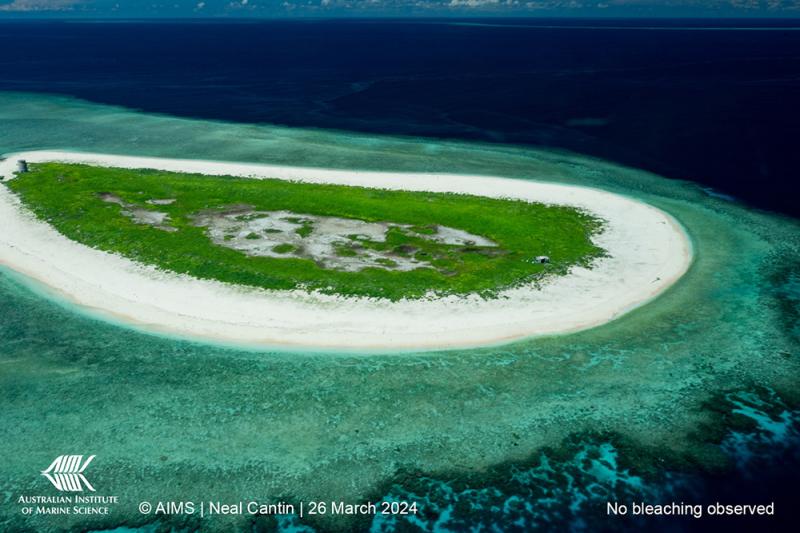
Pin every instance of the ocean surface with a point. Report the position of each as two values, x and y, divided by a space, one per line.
716 102
692 398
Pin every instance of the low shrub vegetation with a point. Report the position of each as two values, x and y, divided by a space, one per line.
68 196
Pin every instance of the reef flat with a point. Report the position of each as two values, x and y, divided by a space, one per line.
171 419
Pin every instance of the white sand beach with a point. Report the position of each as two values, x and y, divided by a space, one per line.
648 252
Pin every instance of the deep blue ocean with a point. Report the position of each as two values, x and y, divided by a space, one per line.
716 102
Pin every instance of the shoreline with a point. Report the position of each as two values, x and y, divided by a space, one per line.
648 249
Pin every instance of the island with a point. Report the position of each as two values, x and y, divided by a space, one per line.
330 259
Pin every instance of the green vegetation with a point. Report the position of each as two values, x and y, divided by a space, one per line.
387 262
305 230
284 248
67 196
424 230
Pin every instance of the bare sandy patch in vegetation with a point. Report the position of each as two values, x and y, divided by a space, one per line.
157 219
332 242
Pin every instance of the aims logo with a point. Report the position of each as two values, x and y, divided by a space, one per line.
66 473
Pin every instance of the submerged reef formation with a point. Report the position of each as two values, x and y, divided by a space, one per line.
694 387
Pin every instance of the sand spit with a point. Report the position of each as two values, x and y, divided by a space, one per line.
648 252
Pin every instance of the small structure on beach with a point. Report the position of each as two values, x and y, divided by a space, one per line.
542 259
22 166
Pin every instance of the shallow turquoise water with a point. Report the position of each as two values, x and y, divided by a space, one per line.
173 419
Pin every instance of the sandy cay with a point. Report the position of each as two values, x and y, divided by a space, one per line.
648 251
